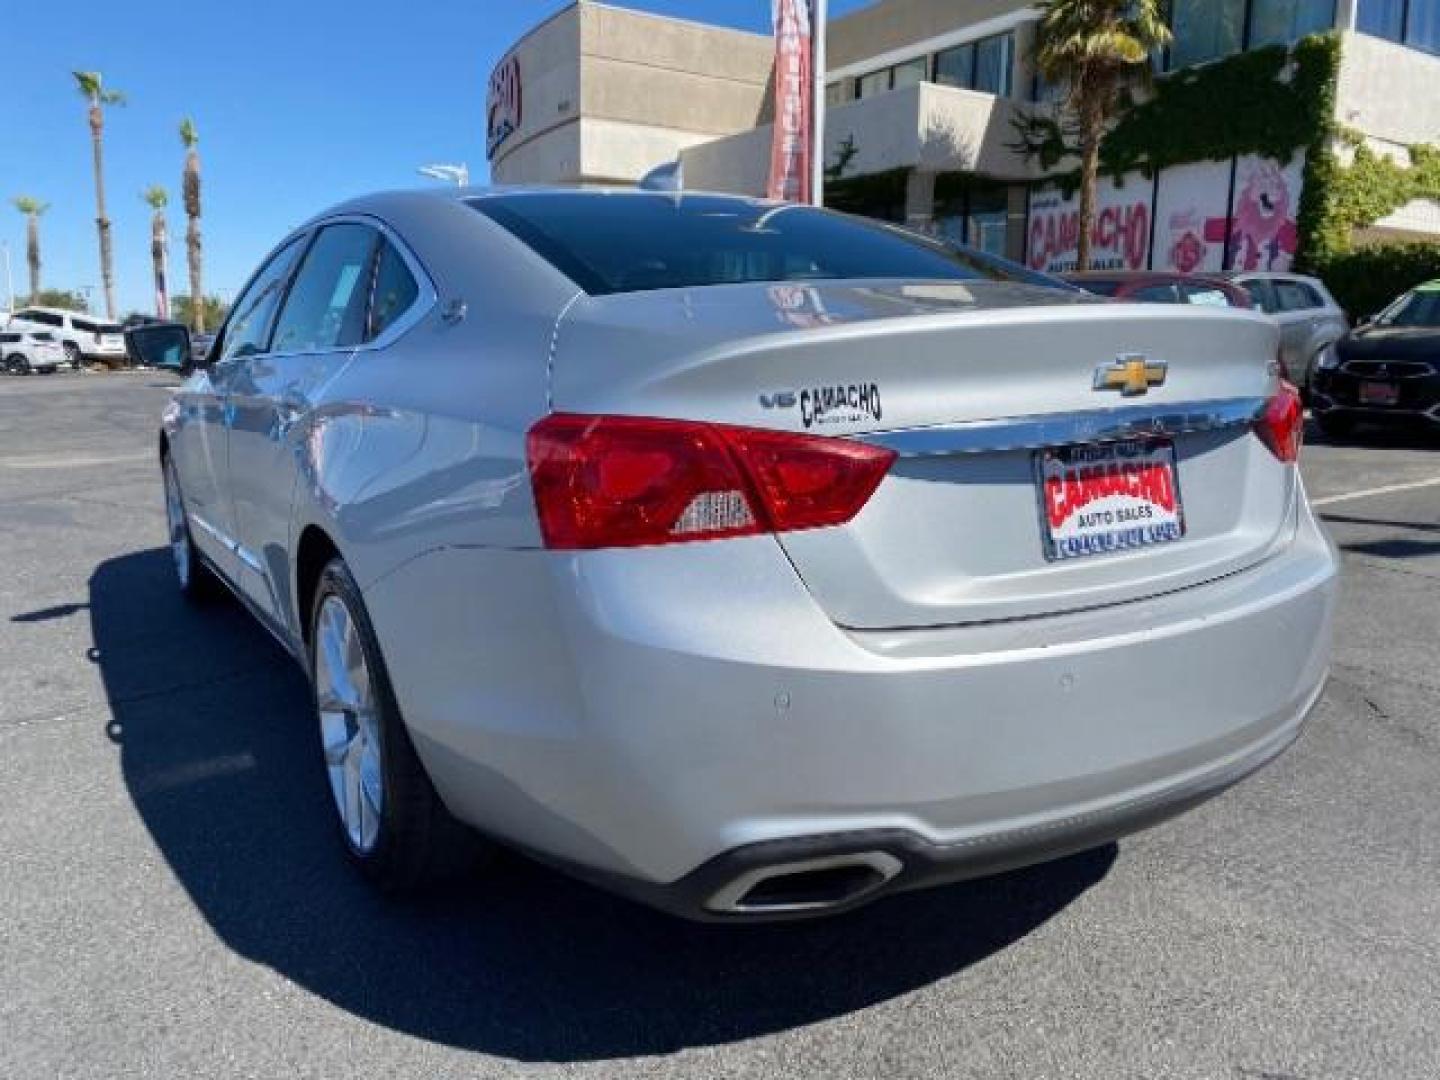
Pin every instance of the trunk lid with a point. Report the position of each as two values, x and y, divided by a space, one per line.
968 382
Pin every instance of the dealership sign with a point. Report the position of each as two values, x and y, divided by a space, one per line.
502 105
792 146
1120 239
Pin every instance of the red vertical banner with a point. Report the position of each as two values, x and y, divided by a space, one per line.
792 148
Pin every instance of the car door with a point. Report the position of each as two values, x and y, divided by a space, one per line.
201 443
273 394
1303 320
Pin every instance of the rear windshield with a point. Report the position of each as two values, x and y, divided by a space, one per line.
614 243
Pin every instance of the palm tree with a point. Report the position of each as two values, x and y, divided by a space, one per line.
1090 47
91 85
191 186
32 208
157 198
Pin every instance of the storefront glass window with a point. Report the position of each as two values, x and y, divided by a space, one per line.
1282 22
1381 18
1423 25
1206 30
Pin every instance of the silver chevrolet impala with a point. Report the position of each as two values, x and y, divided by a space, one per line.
749 559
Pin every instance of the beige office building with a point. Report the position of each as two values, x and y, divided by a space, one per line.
922 96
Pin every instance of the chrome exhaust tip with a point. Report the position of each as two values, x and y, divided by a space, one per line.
810 885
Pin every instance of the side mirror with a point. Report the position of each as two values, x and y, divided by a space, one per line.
161 345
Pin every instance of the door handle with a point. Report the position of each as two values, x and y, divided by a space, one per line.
288 412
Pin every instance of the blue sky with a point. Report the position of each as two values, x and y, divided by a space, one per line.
299 104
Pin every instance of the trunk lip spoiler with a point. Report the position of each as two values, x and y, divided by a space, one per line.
1037 432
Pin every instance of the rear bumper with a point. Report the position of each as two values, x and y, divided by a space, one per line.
694 714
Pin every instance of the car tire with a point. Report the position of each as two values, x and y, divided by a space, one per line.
17 365
395 828
1335 427
197 582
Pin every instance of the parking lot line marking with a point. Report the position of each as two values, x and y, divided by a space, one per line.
1331 500
76 462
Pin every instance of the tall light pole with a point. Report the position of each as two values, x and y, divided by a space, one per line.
450 174
819 12
9 281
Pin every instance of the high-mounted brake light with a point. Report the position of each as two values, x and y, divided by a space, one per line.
623 481
1281 426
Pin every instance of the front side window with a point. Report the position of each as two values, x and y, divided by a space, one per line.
1261 295
1206 30
396 290
1283 22
248 330
9 339
326 305
632 243
84 326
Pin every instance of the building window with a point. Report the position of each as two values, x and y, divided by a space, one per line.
1282 22
877 82
1381 18
1206 30
984 65
909 73
1413 22
835 93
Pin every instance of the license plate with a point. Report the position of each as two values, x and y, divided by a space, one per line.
1379 393
1108 497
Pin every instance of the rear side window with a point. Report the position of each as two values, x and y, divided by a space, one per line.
44 318
9 339
395 291
249 327
83 325
326 305
1099 288
1205 295
1296 296
630 243
1154 294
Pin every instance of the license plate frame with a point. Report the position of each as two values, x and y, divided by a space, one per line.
1134 474
1379 392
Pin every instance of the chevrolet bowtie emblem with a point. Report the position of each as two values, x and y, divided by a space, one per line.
1131 375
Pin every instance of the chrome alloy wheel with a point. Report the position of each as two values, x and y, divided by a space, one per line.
349 724
179 530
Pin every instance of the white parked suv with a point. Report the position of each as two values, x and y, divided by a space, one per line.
26 352
82 337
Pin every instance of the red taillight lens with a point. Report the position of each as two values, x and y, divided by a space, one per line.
1281 426
622 481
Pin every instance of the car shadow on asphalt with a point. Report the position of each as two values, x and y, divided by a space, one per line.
218 753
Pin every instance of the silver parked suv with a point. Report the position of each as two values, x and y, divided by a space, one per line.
1310 320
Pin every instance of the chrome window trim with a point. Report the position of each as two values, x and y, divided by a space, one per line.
1065 429
426 298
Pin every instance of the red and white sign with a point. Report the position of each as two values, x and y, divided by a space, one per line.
1119 241
793 145
502 104
1109 497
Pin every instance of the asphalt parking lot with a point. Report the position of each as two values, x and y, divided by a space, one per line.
172 902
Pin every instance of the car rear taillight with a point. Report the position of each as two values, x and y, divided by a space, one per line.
623 481
1281 426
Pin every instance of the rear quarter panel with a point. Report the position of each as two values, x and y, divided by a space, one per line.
420 447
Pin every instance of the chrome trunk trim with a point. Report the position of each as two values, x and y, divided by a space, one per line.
1065 429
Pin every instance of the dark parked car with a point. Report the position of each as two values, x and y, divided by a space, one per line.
1159 287
1386 371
